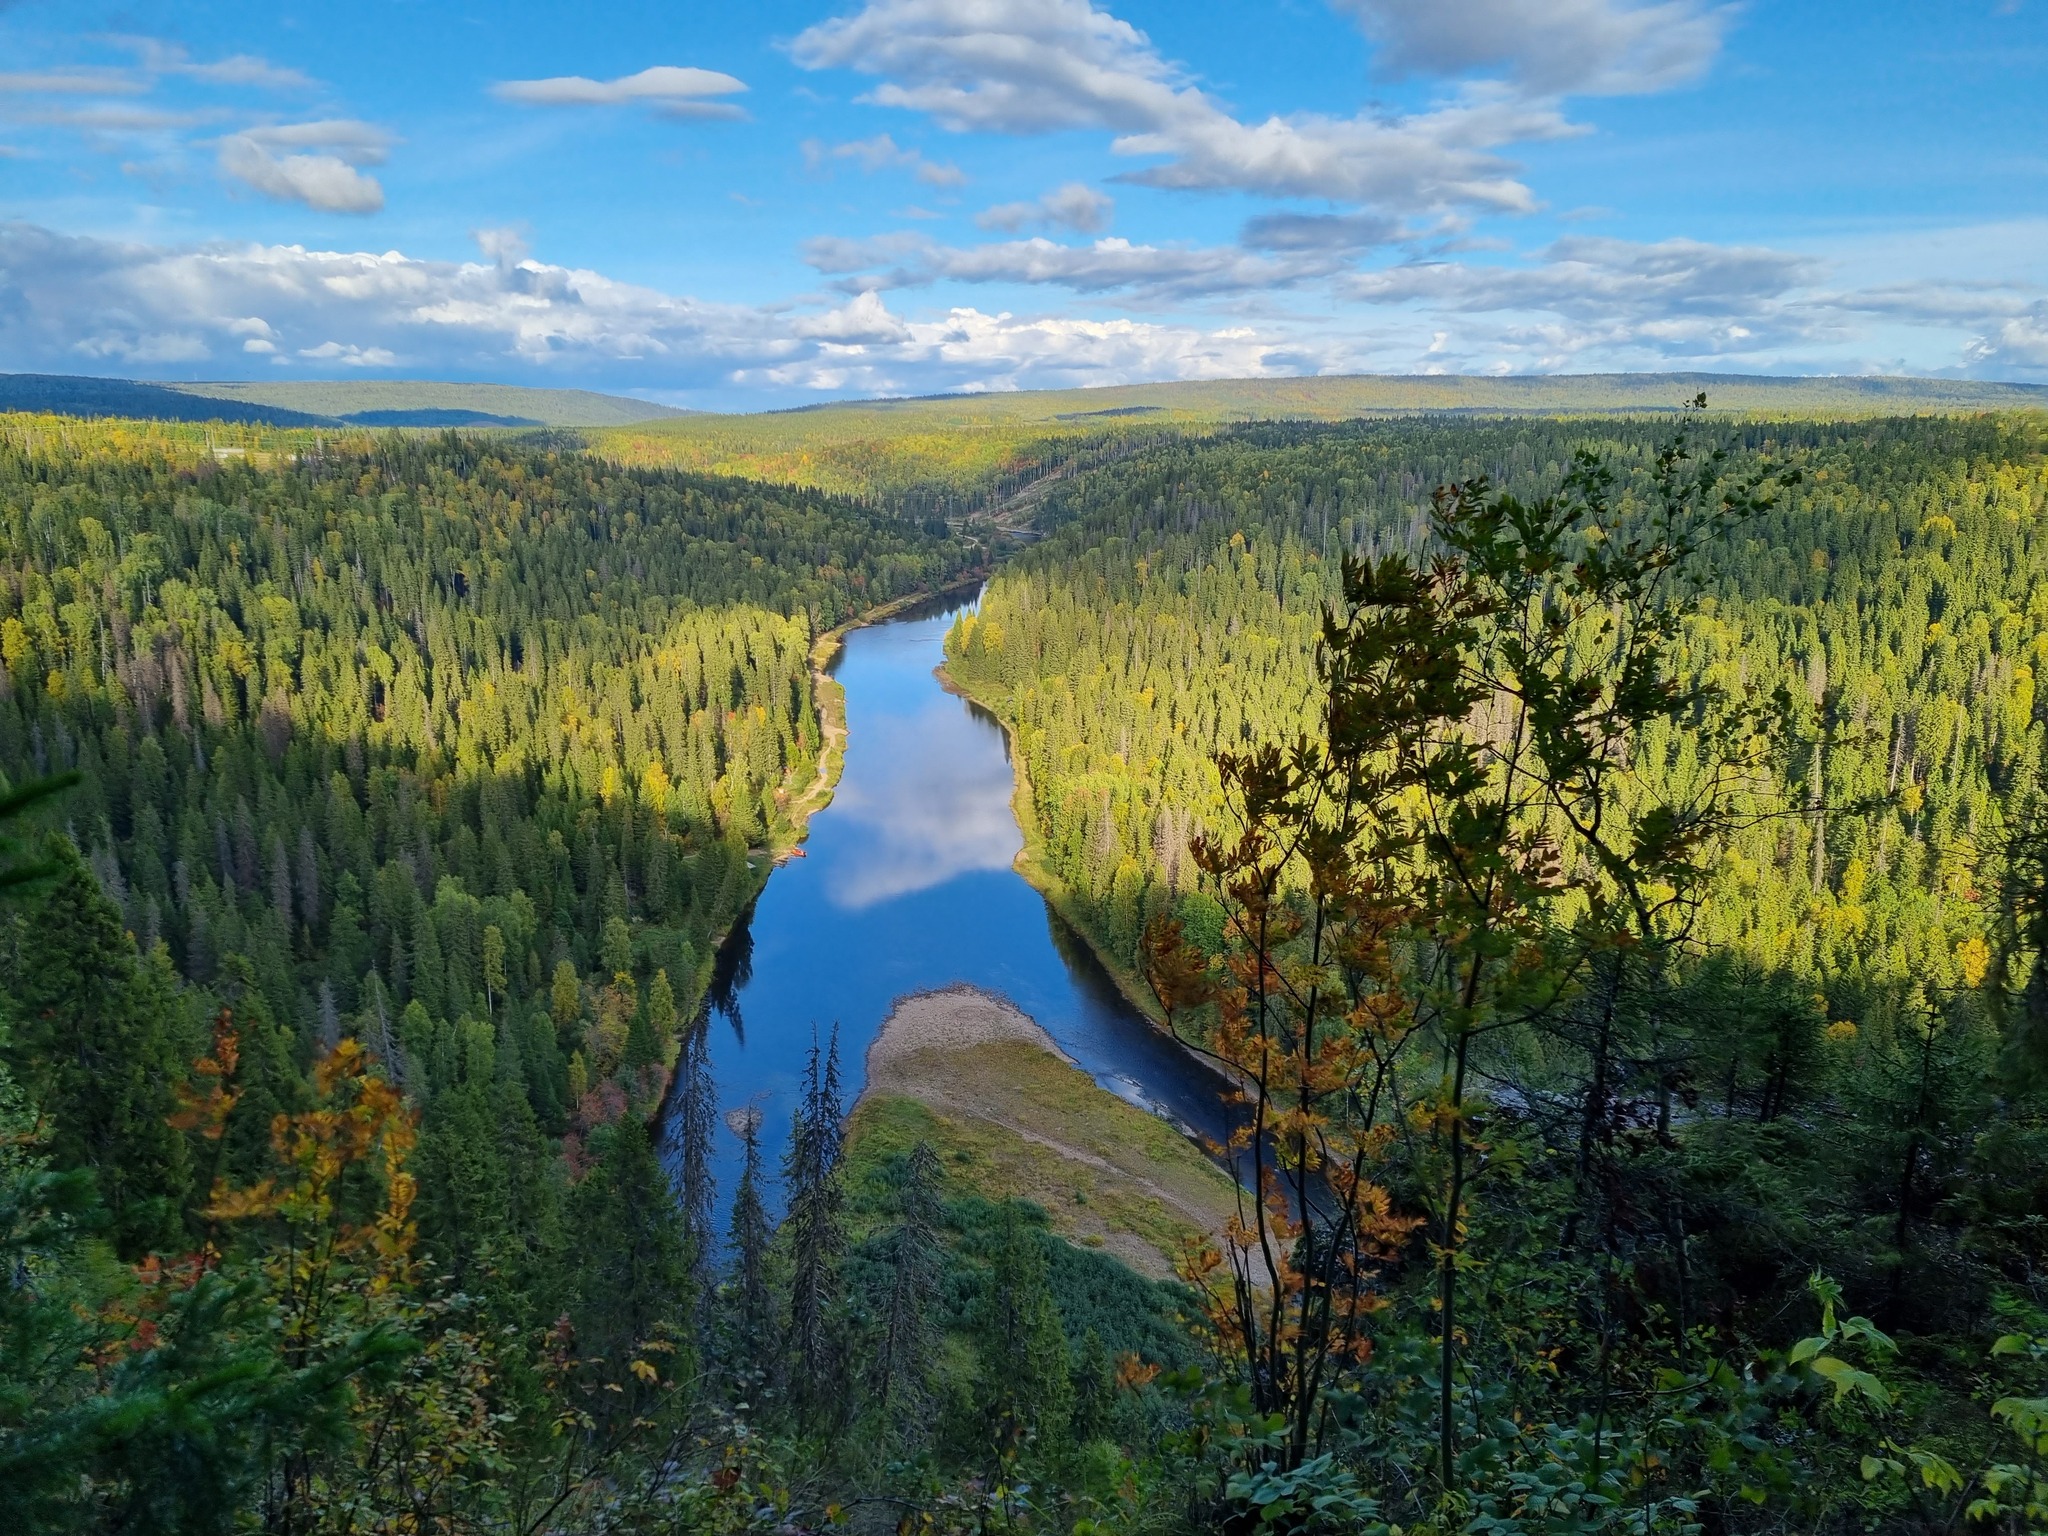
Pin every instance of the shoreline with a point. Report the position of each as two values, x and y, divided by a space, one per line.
798 808
956 1017
1012 1115
1032 868
831 697
1130 986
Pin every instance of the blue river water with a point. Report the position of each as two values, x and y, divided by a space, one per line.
907 885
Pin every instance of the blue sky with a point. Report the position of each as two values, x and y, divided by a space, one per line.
766 203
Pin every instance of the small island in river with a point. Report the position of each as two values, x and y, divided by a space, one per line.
1010 1115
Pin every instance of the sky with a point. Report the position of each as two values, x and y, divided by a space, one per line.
766 203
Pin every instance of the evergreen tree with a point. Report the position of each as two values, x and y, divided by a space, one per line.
814 1231
756 1351
1026 1386
631 1257
695 1119
100 1042
900 1371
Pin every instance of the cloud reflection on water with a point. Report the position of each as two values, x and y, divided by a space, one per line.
915 817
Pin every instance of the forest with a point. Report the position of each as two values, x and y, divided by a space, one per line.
1608 855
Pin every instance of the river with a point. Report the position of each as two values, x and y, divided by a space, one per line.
908 884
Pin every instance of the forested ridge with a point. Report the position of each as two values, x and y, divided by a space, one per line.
1896 593
1610 857
1832 1070
453 749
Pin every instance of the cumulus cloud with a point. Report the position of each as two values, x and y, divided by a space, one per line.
311 163
1589 275
1320 231
2008 323
1673 299
882 152
971 350
1109 265
671 90
864 321
2019 343
349 355
1548 47
507 247
73 304
69 303
1074 206
1041 66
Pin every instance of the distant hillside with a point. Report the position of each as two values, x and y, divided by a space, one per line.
955 450
1383 394
362 403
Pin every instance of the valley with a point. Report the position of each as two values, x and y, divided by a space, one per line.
409 878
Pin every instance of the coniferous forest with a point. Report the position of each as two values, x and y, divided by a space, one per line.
1609 858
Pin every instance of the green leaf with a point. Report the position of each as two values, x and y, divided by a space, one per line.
1845 1378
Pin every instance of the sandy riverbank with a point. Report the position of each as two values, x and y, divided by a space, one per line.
951 1019
1011 1115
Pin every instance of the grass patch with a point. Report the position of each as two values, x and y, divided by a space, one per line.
1012 1121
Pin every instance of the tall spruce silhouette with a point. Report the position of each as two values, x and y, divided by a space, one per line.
815 1230
900 1373
697 1114
753 1311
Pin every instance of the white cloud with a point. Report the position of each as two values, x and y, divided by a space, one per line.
1074 206
349 355
672 90
507 247
156 57
882 152
71 82
1104 266
111 118
1320 231
1595 277
863 322
1547 47
71 303
360 143
78 304
328 179
974 351
1671 301
2014 344
1041 66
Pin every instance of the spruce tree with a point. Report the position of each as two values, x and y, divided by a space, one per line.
815 1231
632 1283
99 1045
696 1117
756 1354
1026 1387
900 1374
